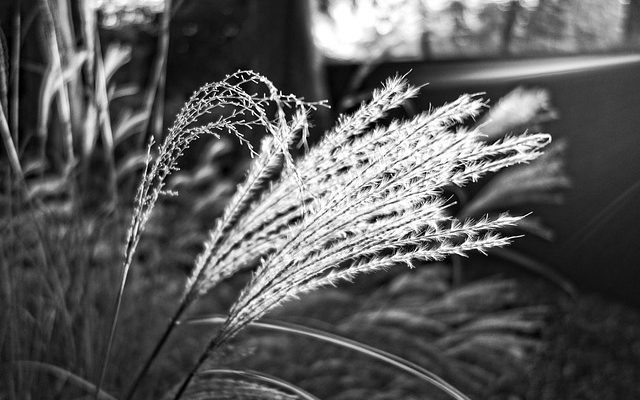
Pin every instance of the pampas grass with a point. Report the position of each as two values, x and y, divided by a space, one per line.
246 110
366 198
476 336
244 385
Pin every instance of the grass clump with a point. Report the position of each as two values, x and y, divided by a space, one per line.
365 198
368 197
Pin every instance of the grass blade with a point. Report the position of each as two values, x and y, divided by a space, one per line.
58 76
264 378
9 146
537 268
4 73
249 111
14 103
154 99
68 376
388 358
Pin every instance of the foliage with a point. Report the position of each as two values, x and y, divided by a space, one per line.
85 134
477 336
386 209
73 145
367 197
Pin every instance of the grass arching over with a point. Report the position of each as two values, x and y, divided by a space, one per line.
366 198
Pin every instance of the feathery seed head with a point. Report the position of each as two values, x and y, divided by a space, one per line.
239 107
371 198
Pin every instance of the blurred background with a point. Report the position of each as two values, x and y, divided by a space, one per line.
87 83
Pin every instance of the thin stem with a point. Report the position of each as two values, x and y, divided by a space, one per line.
66 376
228 221
158 110
266 378
156 350
223 335
192 373
9 146
14 104
156 82
370 351
116 313
64 101
104 122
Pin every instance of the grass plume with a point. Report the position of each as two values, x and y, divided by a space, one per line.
371 199
239 109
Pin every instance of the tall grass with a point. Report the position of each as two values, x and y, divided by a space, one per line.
364 199
371 195
70 151
477 336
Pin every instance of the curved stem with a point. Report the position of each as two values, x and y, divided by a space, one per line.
266 378
68 376
156 350
223 335
351 344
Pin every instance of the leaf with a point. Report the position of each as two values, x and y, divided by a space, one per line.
10 148
48 186
537 268
66 376
4 73
214 150
116 56
132 162
129 124
212 197
533 225
469 316
52 83
333 339
124 90
33 167
90 130
243 385
407 320
248 110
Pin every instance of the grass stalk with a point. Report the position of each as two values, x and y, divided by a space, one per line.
66 376
265 378
154 99
267 162
317 334
228 221
64 102
163 49
9 145
116 314
4 73
14 103
156 350
224 334
104 120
